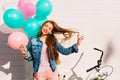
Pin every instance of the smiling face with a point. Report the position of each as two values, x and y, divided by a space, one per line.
47 28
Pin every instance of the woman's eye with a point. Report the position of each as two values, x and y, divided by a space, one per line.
50 29
45 25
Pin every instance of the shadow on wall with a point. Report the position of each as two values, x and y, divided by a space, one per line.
28 70
12 64
109 52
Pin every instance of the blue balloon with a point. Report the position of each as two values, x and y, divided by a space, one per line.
31 27
13 18
43 9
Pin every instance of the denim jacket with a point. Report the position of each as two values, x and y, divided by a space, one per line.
34 49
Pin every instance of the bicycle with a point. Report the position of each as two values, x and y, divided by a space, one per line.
100 72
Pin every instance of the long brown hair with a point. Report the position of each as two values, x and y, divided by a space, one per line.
51 39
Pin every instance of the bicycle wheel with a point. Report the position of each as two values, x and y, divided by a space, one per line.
73 77
101 74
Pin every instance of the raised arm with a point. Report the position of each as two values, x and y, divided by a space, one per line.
71 49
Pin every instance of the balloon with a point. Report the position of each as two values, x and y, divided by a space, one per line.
43 9
15 39
31 27
32 1
5 29
13 18
20 4
6 4
40 22
1 14
28 8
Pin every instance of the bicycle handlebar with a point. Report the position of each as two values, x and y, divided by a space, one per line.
91 68
98 62
100 51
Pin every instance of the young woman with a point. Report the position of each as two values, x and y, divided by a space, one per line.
44 50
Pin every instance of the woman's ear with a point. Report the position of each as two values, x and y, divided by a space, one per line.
50 33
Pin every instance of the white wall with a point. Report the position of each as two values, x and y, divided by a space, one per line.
98 21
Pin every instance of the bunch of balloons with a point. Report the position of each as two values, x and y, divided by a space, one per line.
29 16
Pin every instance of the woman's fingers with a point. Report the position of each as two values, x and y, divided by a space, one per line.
80 38
21 49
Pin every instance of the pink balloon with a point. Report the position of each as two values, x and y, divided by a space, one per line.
27 8
33 1
20 4
15 39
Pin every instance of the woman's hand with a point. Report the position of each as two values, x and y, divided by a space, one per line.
22 51
80 38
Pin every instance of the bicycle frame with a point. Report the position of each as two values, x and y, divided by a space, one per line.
73 76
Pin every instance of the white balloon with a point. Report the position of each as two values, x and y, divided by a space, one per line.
1 14
6 4
5 29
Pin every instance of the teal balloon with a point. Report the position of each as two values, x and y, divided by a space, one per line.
13 18
43 9
31 27
41 21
